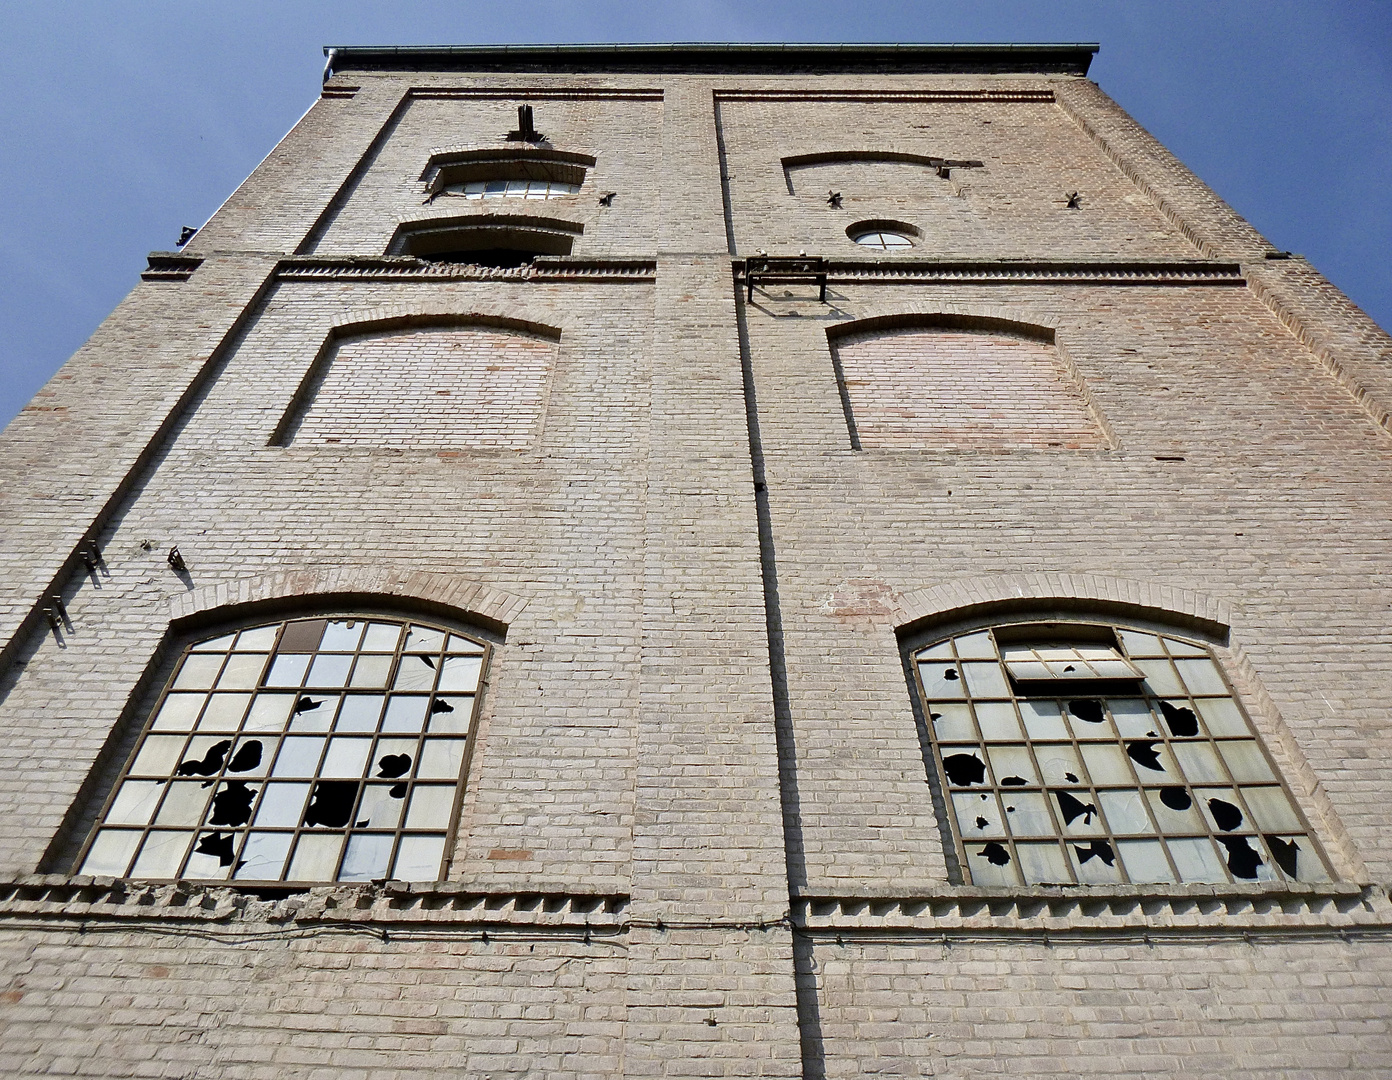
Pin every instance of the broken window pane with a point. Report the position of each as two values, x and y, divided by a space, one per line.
1116 760
257 765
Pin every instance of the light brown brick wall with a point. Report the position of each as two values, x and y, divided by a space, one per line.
697 707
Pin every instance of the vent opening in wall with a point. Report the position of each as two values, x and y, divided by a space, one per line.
492 240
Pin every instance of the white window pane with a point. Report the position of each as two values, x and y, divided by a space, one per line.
1222 716
424 639
224 712
393 758
1042 720
1095 862
991 864
963 765
1245 858
1029 670
952 722
1160 678
1221 809
1115 668
1152 760
1012 764
242 671
976 646
270 712
1107 765
111 852
1138 644
158 756
1060 764
346 759
451 716
312 712
329 669
1145 861
198 671
1296 858
287 670
178 712
263 856
381 637
1027 813
379 808
998 721
205 755
219 644
416 672
299 756
1077 812
316 857
341 636
441 759
367 857
461 673
282 805
251 757
986 680
979 816
419 858
1174 809
213 855
1088 719
371 671
161 854
1199 762
1133 717
259 639
1201 676
464 646
1042 864
1125 813
1247 762
184 804
1269 806
360 712
940 651
941 681
1196 860
1183 648
135 802
405 714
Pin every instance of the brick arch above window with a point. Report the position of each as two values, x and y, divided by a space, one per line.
956 382
428 383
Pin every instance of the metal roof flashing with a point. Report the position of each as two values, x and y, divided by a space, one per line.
723 58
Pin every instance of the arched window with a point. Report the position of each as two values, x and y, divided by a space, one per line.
1099 754
312 750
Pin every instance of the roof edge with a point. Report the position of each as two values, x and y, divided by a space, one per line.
1057 58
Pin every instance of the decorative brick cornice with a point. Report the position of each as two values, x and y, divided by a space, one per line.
406 268
88 899
475 601
1126 911
1005 272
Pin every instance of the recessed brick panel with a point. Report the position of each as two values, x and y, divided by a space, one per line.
947 389
465 387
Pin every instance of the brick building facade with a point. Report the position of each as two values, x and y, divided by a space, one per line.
454 618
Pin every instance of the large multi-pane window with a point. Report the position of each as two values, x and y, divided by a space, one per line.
322 749
511 189
1094 755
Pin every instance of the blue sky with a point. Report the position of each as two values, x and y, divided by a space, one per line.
121 122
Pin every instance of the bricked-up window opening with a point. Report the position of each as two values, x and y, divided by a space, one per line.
950 388
313 750
426 388
492 240
1104 755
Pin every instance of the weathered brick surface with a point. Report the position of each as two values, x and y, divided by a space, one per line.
940 389
697 761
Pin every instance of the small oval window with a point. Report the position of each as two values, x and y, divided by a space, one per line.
883 241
